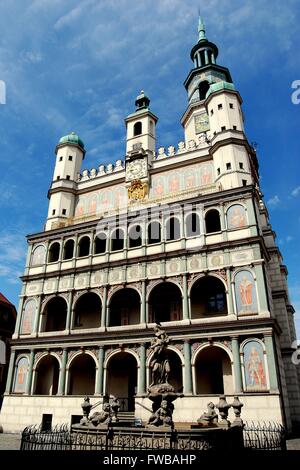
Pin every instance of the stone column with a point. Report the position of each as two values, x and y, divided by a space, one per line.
10 374
19 317
185 298
188 383
237 364
62 373
37 316
30 372
206 56
69 313
230 297
99 382
103 311
261 288
142 371
271 362
223 222
143 303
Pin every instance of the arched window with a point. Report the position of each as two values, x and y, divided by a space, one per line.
192 225
172 229
47 374
54 252
165 303
100 243
154 232
208 297
38 255
84 246
135 236
212 221
117 240
203 89
137 128
82 374
213 372
55 315
69 249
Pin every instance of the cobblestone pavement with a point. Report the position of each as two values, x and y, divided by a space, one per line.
10 441
13 441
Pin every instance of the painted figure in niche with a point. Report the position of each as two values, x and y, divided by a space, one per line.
254 366
106 200
245 292
38 255
236 217
28 317
120 197
158 187
246 288
21 375
174 184
93 205
79 209
206 174
189 179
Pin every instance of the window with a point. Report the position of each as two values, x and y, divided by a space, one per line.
54 252
84 246
241 165
64 211
212 221
231 105
218 171
172 229
220 106
100 243
223 128
60 159
117 240
234 128
68 249
135 236
228 166
137 128
53 211
68 177
203 89
58 177
70 158
154 232
192 225
211 112
244 182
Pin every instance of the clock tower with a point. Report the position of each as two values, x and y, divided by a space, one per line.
140 143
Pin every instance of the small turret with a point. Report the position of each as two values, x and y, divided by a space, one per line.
70 152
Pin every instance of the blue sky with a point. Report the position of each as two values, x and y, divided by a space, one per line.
78 65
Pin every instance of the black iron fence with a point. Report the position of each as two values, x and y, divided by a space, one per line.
264 436
268 436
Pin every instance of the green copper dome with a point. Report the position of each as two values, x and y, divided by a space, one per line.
71 138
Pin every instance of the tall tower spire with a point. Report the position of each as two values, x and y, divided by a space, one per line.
201 29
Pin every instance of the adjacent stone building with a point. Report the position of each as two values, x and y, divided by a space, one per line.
176 235
8 317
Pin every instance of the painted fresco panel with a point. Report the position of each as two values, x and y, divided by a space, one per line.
245 293
28 317
236 217
254 365
38 255
21 375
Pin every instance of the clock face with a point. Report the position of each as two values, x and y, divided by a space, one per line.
136 169
201 123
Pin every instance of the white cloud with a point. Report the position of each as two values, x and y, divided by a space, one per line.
273 201
296 191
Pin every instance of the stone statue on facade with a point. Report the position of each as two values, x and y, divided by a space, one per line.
209 417
162 416
161 392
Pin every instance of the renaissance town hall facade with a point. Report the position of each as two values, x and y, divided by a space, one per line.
178 236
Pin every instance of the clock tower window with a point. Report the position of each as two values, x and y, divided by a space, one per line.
137 128
203 89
